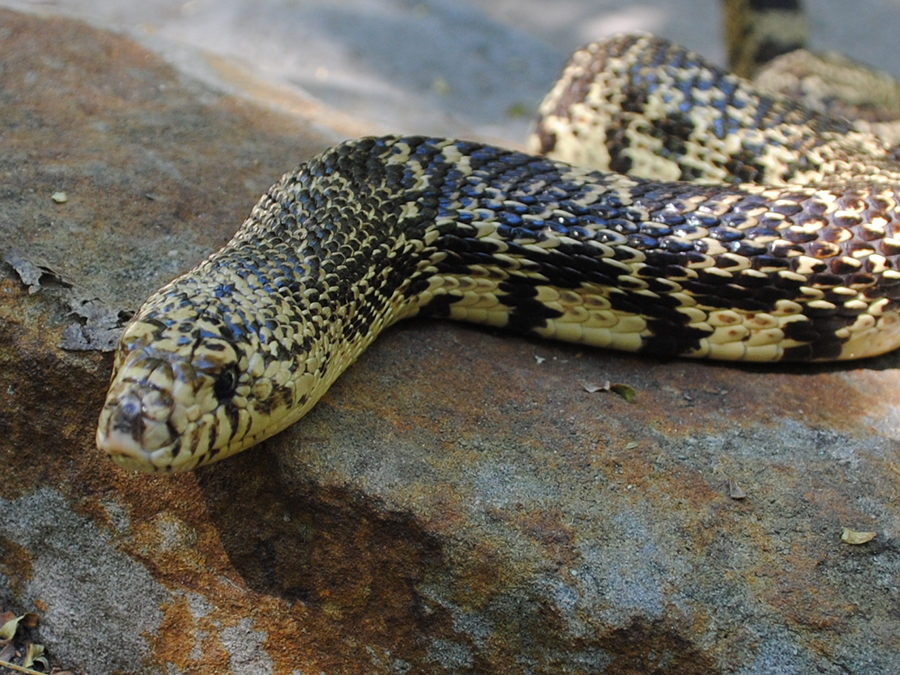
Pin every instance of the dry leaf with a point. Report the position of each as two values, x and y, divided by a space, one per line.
97 326
28 272
440 86
33 655
9 628
31 272
735 491
8 652
23 669
624 391
594 388
849 536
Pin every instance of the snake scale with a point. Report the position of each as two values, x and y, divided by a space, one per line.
767 232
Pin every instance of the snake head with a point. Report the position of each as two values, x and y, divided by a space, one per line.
160 413
174 406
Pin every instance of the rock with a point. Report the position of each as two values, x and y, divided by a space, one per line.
459 502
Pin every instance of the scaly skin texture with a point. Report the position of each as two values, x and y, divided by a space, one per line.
379 229
641 106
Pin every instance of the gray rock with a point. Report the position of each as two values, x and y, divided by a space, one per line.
458 502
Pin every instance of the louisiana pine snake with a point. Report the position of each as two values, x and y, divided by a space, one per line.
783 248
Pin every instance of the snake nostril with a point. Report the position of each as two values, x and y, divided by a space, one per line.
130 407
128 416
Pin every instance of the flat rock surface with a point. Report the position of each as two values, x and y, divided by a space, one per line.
459 502
439 67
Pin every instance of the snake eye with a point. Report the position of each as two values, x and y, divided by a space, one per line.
226 383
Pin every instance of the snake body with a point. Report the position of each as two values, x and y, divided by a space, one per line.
375 230
757 31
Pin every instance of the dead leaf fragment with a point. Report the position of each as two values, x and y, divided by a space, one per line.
28 272
856 538
594 388
31 272
623 390
9 628
96 325
59 197
518 110
17 652
23 669
33 655
735 491
440 86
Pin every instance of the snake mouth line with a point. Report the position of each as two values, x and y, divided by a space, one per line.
127 449
121 446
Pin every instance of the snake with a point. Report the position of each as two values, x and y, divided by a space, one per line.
757 32
665 207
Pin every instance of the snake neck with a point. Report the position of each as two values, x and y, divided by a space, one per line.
366 234
377 230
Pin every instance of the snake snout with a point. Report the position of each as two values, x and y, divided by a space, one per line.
136 424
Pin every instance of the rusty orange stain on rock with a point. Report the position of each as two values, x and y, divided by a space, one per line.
176 639
15 563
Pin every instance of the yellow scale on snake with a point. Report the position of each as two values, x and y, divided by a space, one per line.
768 232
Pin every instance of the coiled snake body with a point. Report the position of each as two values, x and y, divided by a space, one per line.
800 264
